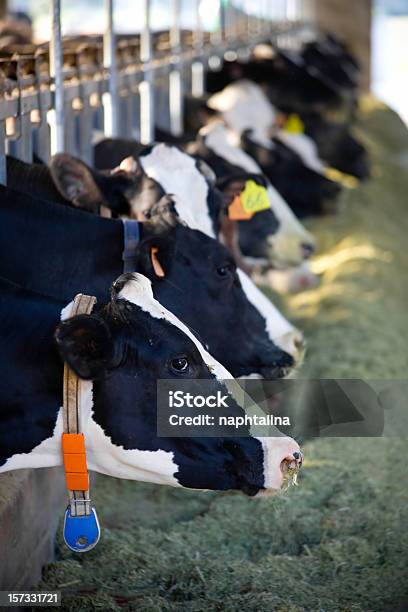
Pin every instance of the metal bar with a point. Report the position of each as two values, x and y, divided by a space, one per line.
197 67
56 116
146 88
175 80
110 98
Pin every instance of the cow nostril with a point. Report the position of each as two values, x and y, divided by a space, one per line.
299 343
307 250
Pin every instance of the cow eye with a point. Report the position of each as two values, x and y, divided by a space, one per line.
225 270
180 364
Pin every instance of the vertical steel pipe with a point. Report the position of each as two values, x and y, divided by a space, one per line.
175 78
57 118
146 87
111 99
197 68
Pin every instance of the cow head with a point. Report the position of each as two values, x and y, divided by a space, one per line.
197 278
273 236
124 190
124 348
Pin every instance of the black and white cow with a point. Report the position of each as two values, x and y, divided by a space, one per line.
291 243
119 352
60 251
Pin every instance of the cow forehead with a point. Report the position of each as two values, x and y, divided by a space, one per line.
138 291
245 106
179 176
225 143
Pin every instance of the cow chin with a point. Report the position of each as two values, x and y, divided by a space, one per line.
288 250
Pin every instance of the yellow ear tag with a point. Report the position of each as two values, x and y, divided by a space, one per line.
294 124
158 270
253 199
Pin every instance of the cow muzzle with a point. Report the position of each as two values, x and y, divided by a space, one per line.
282 462
294 344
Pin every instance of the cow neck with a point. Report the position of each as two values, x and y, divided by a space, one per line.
81 527
30 384
57 250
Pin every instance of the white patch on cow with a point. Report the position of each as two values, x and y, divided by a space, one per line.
244 106
276 450
138 290
305 147
275 323
178 175
279 329
46 454
103 456
225 142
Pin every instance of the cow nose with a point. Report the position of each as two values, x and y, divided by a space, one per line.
333 190
293 342
307 250
279 367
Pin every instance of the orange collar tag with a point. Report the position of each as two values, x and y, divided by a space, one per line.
158 270
74 454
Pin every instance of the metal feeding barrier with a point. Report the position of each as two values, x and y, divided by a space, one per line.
54 96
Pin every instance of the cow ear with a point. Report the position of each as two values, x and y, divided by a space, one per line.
85 344
76 182
130 165
231 188
162 216
156 251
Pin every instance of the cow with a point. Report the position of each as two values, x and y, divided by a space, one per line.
291 243
60 251
119 351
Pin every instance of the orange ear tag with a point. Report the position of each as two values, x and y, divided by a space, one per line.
236 211
158 270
